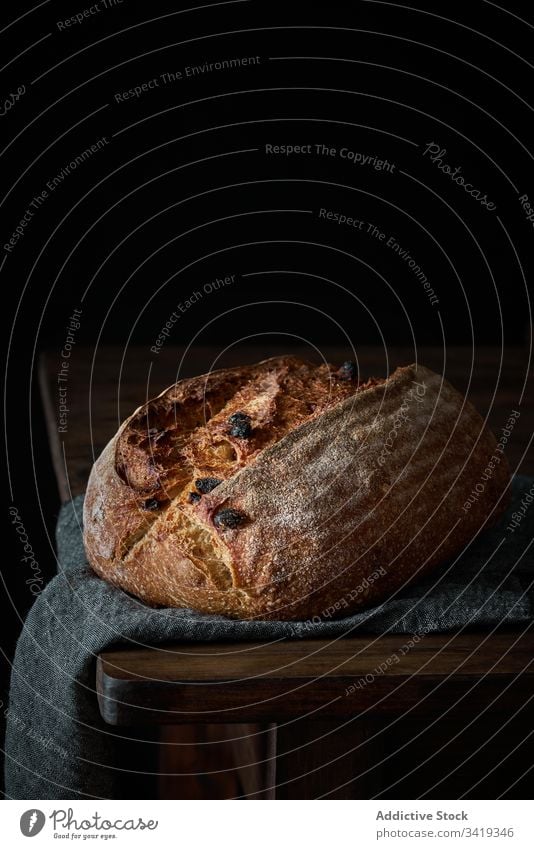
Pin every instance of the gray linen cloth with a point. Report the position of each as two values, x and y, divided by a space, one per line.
57 745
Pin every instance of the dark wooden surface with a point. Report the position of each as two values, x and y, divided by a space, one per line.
251 682
320 759
216 704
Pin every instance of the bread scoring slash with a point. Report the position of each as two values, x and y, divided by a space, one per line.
273 491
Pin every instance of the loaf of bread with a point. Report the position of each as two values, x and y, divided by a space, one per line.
283 490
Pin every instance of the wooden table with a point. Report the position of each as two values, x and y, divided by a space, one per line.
346 718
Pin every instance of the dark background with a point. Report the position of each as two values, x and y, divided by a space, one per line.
184 193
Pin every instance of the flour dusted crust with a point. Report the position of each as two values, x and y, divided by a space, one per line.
282 490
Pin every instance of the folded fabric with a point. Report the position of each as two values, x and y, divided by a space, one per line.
57 745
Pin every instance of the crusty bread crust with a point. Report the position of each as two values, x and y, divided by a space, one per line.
329 493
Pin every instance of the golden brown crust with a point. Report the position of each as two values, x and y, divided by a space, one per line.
332 496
